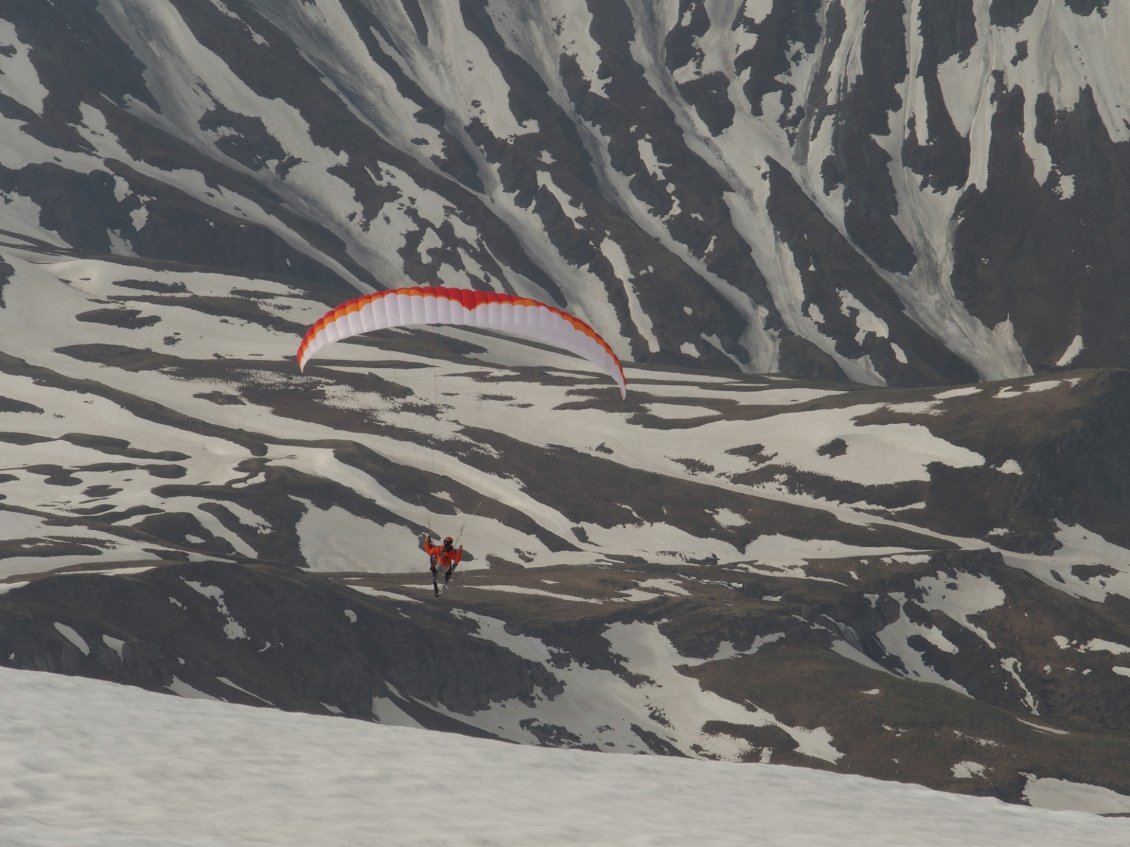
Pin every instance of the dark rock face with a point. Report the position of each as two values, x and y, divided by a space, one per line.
286 640
1010 13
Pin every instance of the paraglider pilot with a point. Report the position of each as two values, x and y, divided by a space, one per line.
446 557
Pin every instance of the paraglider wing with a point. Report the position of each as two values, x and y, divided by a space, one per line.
503 313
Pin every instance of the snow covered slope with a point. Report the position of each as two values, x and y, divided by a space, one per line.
133 768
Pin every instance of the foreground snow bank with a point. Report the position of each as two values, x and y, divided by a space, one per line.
92 764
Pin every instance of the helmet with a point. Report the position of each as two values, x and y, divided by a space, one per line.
448 542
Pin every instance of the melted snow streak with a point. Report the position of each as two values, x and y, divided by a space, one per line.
823 188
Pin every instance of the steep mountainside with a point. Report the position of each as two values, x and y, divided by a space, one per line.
899 192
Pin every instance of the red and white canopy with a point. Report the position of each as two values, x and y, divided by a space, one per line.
503 313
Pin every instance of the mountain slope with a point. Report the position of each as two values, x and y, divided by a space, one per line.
900 193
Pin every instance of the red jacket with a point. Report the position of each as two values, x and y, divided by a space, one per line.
444 558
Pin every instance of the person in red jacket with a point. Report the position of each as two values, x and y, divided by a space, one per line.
448 557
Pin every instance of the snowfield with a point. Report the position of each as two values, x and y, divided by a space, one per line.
135 769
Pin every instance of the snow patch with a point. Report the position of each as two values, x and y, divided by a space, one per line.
73 637
115 644
1071 353
232 628
1060 795
968 770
